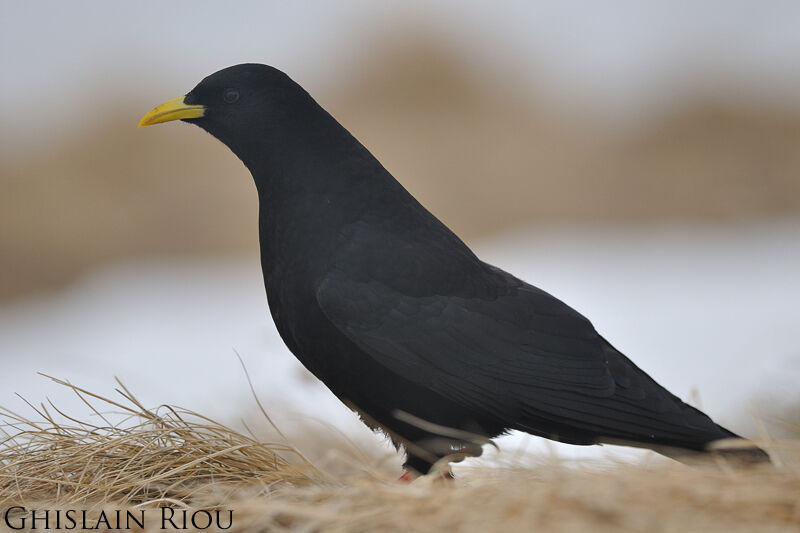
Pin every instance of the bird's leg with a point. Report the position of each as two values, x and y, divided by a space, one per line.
441 454
408 476
439 474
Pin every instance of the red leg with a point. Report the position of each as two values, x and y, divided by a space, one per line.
408 476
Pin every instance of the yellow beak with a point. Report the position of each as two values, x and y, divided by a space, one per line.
175 109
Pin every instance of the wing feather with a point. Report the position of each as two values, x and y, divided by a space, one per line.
512 349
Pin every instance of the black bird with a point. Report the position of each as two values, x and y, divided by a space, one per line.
398 317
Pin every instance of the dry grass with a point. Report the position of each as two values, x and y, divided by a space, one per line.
131 457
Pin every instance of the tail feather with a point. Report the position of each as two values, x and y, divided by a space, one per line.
734 451
738 450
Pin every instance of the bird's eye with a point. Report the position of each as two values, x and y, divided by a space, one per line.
230 95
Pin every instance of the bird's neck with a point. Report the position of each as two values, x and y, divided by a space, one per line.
313 181
307 156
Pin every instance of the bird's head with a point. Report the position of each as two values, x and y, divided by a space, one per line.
239 105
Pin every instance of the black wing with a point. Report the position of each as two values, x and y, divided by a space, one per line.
510 350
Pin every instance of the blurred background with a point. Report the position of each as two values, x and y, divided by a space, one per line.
640 160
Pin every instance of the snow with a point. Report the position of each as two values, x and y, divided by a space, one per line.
701 308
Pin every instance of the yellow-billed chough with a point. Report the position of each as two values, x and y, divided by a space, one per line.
398 317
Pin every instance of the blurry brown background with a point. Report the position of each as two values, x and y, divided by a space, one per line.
486 149
638 159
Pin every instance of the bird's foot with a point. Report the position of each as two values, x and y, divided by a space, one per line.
408 476
435 475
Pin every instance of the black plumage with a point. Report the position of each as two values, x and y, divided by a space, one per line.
398 317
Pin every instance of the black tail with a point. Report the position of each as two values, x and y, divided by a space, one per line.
737 450
731 450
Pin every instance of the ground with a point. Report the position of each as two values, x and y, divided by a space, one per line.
170 460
